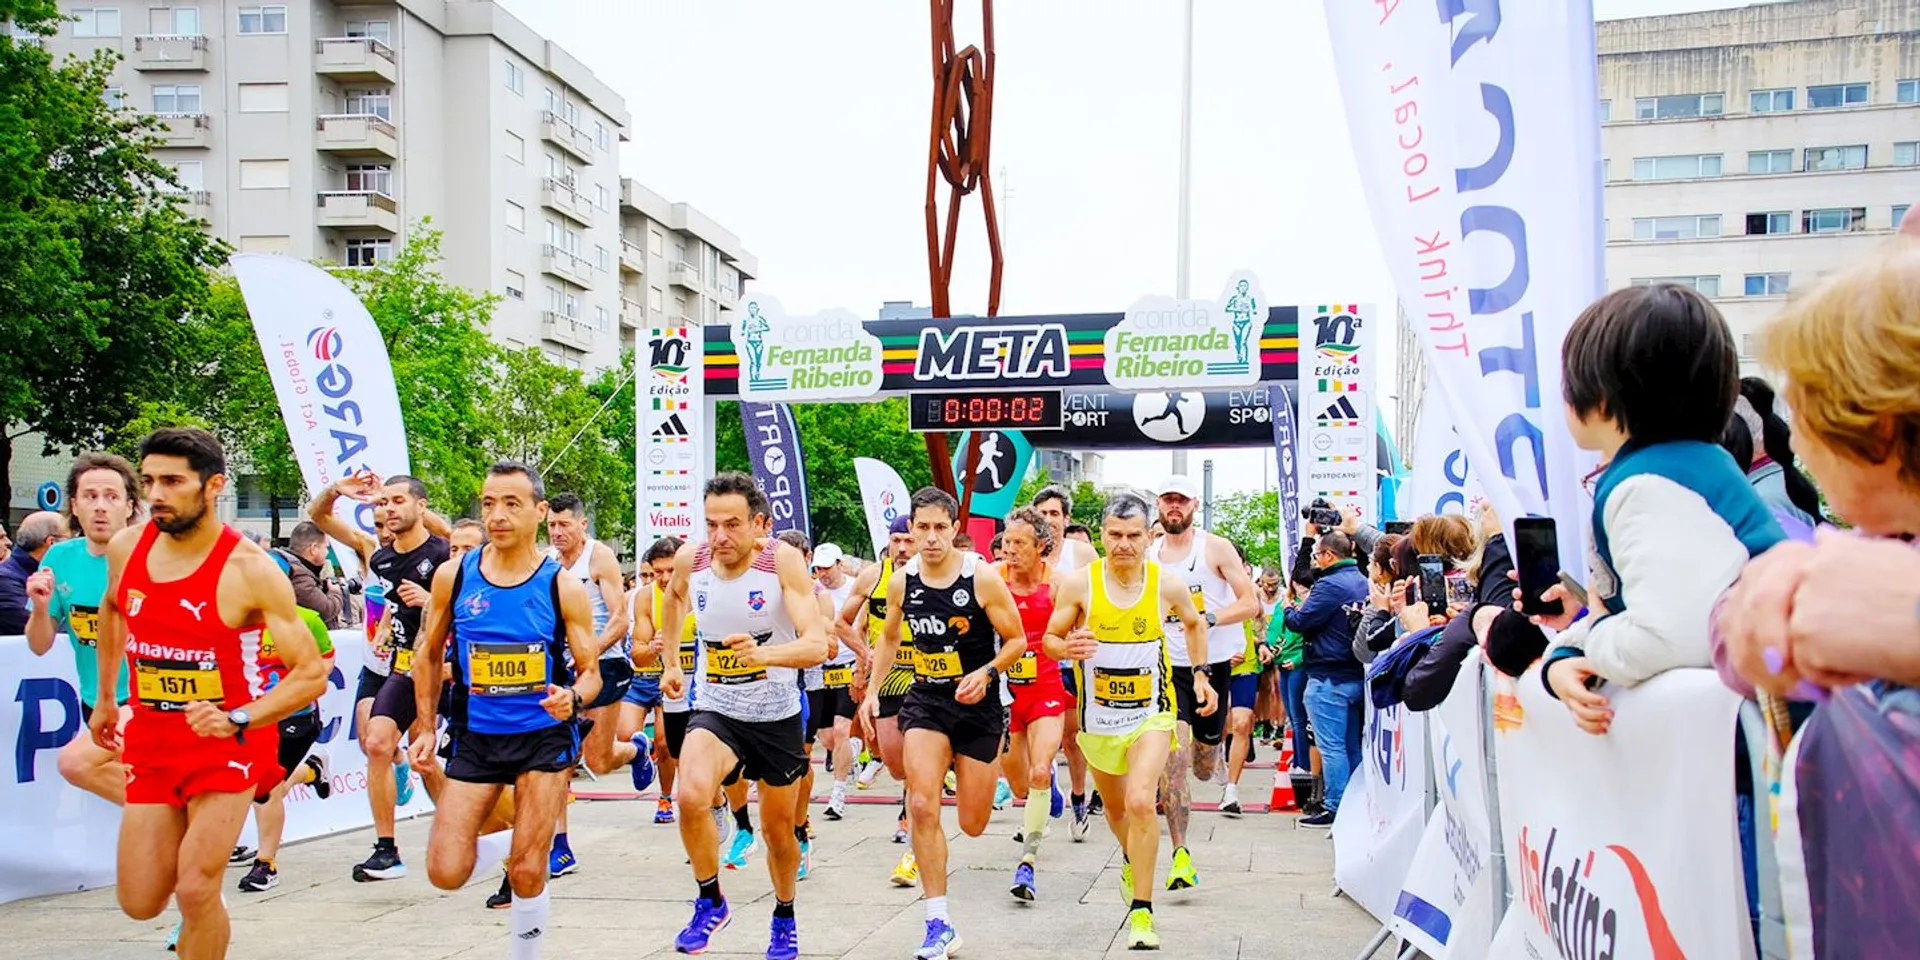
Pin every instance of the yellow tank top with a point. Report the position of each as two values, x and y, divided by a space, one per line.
877 620
688 643
1125 681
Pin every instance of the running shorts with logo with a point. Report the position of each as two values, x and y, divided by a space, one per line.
1210 729
1034 679
1126 679
179 651
508 648
951 638
755 711
394 700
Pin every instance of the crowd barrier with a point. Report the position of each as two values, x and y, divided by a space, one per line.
57 839
1621 846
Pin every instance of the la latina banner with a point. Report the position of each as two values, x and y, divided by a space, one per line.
671 433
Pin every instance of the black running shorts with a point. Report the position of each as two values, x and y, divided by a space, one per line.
676 724
767 751
395 702
616 675
973 730
298 734
500 758
1210 729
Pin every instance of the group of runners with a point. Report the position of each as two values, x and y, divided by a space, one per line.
497 667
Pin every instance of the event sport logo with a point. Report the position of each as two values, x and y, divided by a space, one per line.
1581 911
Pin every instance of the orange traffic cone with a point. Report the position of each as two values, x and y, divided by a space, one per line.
1283 799
1286 758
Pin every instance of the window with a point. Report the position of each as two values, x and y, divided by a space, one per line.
570 305
1906 154
516 78
1676 168
516 285
191 174
1906 91
1836 158
368 251
553 101
1708 286
1676 228
97 22
370 177
570 241
177 21
1689 105
1766 285
601 319
264 175
1834 220
516 217
602 197
1770 101
114 97
600 137
656 242
553 233
602 259
263 98
1770 161
1899 215
180 99
266 244
1760 224
271 19
378 103
1606 110
516 148
655 298
381 30
1836 95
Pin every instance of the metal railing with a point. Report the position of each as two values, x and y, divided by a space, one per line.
374 121
140 41
372 45
374 198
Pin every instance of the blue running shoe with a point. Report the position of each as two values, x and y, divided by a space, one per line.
402 784
642 766
709 918
561 862
784 944
1002 795
1057 803
942 940
745 842
173 939
806 860
1023 888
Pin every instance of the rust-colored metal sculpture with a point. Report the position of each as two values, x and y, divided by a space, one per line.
959 151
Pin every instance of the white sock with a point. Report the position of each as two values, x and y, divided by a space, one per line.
937 910
527 920
839 789
491 848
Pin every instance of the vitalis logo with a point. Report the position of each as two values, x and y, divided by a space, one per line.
1574 911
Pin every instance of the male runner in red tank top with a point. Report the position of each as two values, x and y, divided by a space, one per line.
1038 718
185 603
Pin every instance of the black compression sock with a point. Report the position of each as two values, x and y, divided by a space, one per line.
1079 798
740 819
710 889
385 843
800 834
783 909
1146 905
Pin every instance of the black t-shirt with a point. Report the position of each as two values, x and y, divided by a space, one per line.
951 634
416 566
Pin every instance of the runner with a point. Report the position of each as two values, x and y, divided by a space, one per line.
644 699
186 599
1040 700
597 569
833 708
870 595
299 733
966 634
404 569
1243 690
1211 570
512 616
1055 505
103 498
1108 619
759 625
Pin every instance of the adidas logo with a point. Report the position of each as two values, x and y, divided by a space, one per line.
672 426
1340 409
533 934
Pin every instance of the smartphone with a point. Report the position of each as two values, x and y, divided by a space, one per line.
1536 555
1401 527
1458 589
1433 581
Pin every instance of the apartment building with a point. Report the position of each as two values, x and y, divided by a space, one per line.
676 264
328 129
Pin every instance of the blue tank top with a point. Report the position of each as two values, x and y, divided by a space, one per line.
509 643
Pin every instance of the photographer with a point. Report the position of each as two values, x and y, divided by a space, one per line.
1322 517
1334 697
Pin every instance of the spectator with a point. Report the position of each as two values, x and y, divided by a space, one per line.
6 542
1334 697
1430 680
305 559
1649 375
1289 655
1761 443
1380 623
38 532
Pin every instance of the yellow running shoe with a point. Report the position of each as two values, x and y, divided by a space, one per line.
1182 875
1140 935
907 872
1126 882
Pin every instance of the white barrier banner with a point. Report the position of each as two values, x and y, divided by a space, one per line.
1383 810
331 374
1446 904
1475 126
1599 864
56 838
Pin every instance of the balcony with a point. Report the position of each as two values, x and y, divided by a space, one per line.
633 258
357 135
727 296
556 130
185 129
358 210
558 196
566 331
684 274
354 60
566 265
168 52
197 204
633 316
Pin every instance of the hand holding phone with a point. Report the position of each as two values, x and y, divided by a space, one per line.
1433 581
1536 558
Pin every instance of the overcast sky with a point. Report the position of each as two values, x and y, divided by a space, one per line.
806 135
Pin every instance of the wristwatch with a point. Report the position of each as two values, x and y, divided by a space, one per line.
579 705
993 673
1205 670
1213 620
239 717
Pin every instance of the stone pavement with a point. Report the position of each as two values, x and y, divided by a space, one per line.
1263 894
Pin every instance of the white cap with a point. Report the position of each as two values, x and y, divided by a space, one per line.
1181 484
826 555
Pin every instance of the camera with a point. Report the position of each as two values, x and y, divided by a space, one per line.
1322 514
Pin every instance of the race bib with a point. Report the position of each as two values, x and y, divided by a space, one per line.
905 658
169 685
724 666
83 625
838 677
508 669
943 665
1024 670
1122 689
687 659
403 660
1199 605
653 669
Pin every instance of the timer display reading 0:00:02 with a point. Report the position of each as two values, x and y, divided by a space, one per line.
1024 410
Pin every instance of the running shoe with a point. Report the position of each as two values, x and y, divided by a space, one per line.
1096 806
241 856
1023 888
724 826
1230 800
745 842
502 898
1056 799
383 865
942 942
261 878
1082 819
837 802
900 829
1002 794
173 939
1140 935
561 862
642 766
951 784
806 859
322 780
1323 818
1182 874
867 773
784 942
907 872
402 784
663 810
709 918
1126 881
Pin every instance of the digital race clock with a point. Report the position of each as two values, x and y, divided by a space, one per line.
1017 410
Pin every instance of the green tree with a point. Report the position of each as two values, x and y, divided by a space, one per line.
831 435
99 261
548 416
1252 521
